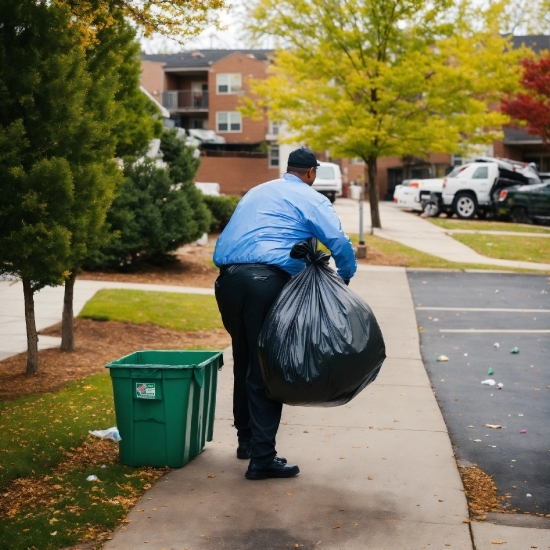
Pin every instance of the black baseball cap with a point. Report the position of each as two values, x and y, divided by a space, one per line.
303 158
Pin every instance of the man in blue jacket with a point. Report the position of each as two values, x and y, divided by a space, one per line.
253 254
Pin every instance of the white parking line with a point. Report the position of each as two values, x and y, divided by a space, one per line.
490 309
485 330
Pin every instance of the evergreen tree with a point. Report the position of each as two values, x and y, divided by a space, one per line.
151 217
127 124
183 166
45 131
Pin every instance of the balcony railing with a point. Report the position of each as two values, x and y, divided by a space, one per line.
186 100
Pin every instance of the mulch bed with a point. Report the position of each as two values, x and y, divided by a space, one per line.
97 343
191 267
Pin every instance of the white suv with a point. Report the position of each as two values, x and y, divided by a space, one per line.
328 180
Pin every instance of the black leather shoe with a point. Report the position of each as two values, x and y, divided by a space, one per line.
280 459
275 469
243 451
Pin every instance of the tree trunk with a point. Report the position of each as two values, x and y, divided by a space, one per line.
32 337
67 322
370 179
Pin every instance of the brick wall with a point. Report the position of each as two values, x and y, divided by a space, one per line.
253 131
503 151
236 175
152 78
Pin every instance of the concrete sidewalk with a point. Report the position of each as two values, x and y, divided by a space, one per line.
378 473
49 306
411 230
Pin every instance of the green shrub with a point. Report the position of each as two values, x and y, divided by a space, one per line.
151 217
222 209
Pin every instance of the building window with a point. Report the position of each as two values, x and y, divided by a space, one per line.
229 121
273 156
274 128
357 160
227 83
457 160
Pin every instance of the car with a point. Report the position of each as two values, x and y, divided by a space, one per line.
414 194
525 203
328 180
469 188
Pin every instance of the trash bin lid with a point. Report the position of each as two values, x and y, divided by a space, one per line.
166 359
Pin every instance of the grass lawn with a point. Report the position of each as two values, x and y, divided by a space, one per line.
387 252
46 455
476 225
525 249
172 310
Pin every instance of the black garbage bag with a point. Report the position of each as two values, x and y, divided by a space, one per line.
320 343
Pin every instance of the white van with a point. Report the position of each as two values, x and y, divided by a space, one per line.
329 180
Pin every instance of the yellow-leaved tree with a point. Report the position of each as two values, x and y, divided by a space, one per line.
377 78
177 19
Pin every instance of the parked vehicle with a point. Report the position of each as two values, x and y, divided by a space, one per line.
525 203
415 194
468 190
328 180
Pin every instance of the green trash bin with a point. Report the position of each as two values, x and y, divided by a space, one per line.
164 403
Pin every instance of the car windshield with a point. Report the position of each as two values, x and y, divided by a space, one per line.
325 173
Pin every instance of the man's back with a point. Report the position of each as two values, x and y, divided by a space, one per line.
272 217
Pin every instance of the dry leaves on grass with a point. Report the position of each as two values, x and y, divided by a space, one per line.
45 491
97 343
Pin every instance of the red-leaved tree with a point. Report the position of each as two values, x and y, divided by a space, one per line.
531 106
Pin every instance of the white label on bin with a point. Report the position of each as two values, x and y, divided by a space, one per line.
145 390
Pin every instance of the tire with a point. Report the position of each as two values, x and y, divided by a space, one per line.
465 206
331 197
431 209
519 215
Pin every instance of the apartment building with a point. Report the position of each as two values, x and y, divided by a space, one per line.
202 89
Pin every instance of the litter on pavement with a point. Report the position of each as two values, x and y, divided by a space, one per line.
110 433
514 350
442 358
490 372
92 478
497 345
488 382
523 431
500 385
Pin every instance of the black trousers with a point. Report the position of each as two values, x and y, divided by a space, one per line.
245 293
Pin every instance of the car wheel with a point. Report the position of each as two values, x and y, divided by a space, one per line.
519 215
331 197
431 209
465 206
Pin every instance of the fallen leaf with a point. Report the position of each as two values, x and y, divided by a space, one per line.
369 478
355 447
336 527
498 542
289 494
212 477
495 426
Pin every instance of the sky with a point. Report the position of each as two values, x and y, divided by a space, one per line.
211 38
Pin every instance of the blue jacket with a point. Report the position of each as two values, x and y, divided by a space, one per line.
271 218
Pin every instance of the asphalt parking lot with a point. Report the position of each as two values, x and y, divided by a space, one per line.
464 316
